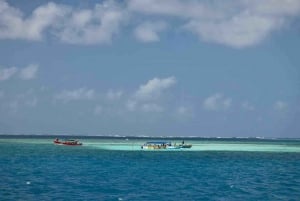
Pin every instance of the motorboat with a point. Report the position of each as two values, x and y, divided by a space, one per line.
154 145
157 145
67 142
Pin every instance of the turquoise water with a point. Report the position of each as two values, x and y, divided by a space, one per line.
116 169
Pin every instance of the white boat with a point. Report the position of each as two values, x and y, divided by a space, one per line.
152 145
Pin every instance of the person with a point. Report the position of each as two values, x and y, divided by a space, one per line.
182 141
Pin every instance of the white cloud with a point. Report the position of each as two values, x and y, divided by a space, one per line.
238 24
280 105
77 94
15 26
94 26
273 7
153 88
25 73
70 25
7 73
44 17
240 31
175 8
217 102
247 106
148 98
148 31
29 72
114 95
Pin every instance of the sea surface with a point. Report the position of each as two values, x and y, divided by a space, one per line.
115 168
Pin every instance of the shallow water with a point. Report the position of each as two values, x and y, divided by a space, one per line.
108 169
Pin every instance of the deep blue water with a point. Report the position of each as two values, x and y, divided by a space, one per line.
48 172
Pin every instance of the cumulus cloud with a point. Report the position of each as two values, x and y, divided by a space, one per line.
7 73
217 102
29 72
70 25
280 105
240 31
14 24
153 88
26 73
238 24
74 95
92 26
175 8
148 31
148 96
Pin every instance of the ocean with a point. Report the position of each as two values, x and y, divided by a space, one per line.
115 168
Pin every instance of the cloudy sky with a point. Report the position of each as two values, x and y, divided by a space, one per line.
150 67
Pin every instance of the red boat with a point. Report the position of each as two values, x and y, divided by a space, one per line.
67 142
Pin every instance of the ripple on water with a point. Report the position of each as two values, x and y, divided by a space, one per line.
91 173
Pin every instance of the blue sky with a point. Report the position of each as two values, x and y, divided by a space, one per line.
159 68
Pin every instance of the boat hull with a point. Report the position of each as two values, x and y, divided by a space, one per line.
185 146
164 146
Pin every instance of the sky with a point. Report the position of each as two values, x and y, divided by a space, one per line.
150 68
